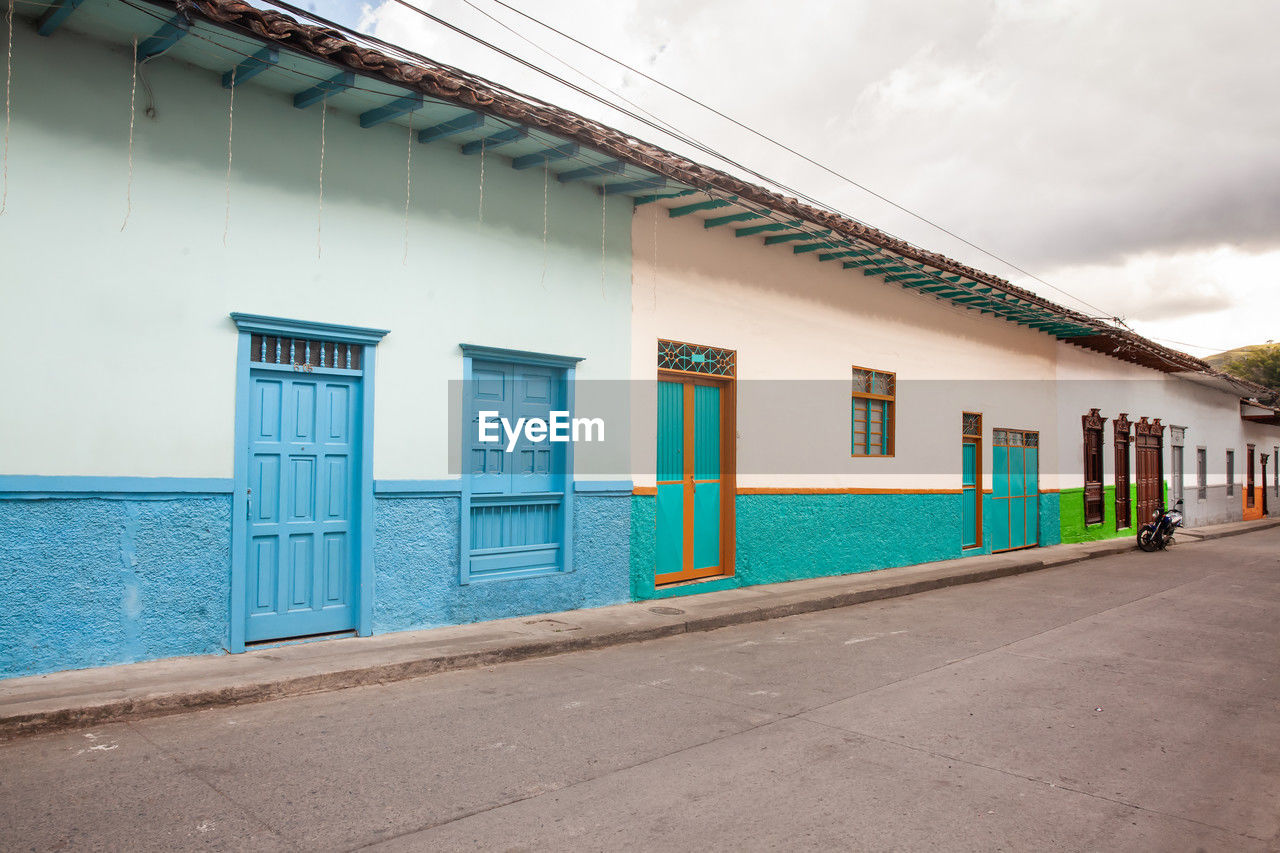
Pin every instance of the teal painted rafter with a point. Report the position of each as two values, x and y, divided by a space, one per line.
732 217
813 247
831 256
761 229
791 237
611 167
656 182
646 199
502 137
55 15
686 209
323 89
394 109
169 34
452 127
538 158
251 67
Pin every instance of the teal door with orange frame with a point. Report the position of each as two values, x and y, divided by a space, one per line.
971 481
694 487
1015 489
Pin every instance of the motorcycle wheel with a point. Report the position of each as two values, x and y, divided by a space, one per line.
1147 539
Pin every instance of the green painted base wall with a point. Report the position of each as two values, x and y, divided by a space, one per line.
792 537
1071 512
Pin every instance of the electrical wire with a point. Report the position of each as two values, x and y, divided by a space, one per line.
781 145
821 234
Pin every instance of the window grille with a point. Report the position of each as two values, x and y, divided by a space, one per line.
692 358
304 352
972 425
1231 473
873 412
1015 438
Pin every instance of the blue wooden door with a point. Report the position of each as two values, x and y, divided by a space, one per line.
303 504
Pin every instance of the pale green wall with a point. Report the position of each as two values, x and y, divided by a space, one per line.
125 356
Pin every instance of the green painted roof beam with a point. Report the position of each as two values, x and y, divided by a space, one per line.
732 217
813 247
685 210
646 199
790 238
761 229
831 256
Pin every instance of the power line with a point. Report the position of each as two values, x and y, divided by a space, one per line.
788 149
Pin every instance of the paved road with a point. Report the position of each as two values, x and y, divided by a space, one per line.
1127 703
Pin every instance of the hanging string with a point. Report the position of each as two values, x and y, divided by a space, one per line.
604 221
546 180
231 115
324 109
655 258
408 184
133 93
482 181
8 83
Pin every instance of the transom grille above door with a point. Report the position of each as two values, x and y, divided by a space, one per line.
693 358
304 352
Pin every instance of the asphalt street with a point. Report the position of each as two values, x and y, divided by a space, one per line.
1124 703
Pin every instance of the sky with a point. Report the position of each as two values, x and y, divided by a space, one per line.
1125 154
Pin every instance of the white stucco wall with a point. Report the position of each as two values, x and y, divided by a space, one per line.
122 357
794 320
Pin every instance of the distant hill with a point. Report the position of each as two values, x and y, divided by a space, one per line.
1220 360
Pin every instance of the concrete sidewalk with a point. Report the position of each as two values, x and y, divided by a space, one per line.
91 696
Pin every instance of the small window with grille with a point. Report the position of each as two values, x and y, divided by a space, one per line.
1231 473
874 397
1202 474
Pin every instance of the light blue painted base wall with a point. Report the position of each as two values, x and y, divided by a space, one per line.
416 566
796 536
90 582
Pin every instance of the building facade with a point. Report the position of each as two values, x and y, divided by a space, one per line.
269 283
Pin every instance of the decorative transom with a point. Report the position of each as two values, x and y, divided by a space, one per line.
972 424
1015 438
873 382
692 358
304 352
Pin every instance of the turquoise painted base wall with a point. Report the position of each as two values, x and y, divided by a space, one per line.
91 582
796 536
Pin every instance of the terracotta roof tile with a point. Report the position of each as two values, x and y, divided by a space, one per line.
447 83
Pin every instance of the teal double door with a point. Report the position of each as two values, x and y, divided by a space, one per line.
1015 489
694 480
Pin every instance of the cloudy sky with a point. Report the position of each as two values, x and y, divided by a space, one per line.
1127 153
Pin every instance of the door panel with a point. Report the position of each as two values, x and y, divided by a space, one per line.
1015 486
970 494
302 497
691 489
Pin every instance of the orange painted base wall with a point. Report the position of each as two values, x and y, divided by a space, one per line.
1252 513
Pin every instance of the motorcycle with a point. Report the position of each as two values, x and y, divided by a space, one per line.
1157 533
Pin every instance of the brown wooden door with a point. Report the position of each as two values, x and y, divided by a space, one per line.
1147 458
1123 508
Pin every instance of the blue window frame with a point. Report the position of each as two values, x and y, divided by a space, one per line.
517 491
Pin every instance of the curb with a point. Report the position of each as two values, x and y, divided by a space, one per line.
165 704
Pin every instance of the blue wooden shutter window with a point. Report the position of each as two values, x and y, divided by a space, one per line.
517 505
